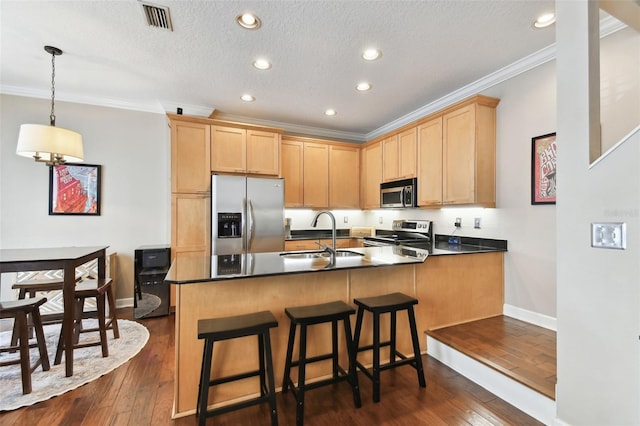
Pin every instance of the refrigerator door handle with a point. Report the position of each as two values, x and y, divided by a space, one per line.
251 227
243 225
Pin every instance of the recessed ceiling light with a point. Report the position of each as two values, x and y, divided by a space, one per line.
248 21
247 98
371 54
330 112
262 64
363 87
544 20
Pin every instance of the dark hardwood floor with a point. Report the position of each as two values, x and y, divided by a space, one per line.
140 392
522 351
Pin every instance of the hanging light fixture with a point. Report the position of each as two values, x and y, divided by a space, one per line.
50 144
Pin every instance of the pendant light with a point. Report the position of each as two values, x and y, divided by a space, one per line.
50 144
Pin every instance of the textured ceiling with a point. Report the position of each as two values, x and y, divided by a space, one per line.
111 57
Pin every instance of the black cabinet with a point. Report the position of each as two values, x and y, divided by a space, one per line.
151 293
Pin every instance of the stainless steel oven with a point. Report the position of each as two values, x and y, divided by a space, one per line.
412 233
399 194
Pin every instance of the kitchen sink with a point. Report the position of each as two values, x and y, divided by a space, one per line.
318 254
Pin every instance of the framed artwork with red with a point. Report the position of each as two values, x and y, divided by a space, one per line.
74 189
543 169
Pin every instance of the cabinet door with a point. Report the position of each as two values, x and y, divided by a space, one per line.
316 175
344 177
407 145
292 158
341 243
390 159
190 169
430 163
459 156
263 152
190 227
301 245
371 175
228 149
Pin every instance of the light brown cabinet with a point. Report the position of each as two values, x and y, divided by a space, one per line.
237 150
399 156
320 174
430 163
296 245
315 179
344 177
190 144
371 175
292 166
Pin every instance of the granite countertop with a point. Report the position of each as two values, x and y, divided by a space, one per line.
186 270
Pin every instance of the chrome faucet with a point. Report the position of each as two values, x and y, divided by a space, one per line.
314 223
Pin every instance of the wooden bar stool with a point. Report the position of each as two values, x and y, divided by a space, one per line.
217 329
305 316
388 303
101 290
18 310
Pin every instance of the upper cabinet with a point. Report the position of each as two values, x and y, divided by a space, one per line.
320 174
315 178
371 175
457 155
190 145
344 177
399 155
430 163
238 150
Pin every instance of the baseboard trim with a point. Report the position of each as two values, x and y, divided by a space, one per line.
531 317
525 399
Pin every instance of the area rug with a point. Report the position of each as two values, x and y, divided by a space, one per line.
146 305
88 364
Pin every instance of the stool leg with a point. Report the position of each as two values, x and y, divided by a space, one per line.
58 359
288 359
272 386
112 313
101 325
25 362
205 377
14 334
356 334
334 347
353 372
376 357
42 345
302 360
392 339
416 347
261 367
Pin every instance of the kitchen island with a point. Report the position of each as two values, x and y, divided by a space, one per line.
217 286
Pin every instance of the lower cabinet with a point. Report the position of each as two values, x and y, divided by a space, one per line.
296 245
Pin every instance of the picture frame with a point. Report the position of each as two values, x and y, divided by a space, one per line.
74 189
543 169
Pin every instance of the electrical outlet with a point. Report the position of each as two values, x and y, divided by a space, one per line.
380 219
346 219
612 235
458 222
476 223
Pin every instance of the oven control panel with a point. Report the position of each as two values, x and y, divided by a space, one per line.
411 225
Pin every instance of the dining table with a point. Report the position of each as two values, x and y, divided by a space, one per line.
57 258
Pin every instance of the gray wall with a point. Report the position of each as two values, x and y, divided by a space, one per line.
133 150
598 289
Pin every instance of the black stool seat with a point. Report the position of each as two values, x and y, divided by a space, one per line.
218 329
19 310
377 305
305 316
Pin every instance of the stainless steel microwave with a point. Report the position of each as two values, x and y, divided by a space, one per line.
399 194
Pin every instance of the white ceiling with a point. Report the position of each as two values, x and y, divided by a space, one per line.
111 57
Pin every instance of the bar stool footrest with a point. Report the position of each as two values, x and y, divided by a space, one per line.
233 378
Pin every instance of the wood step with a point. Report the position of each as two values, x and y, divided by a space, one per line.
521 351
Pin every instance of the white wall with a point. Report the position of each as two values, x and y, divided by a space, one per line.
133 149
598 289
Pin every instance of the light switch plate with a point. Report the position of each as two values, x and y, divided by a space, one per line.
611 235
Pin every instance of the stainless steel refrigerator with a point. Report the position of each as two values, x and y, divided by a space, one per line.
247 215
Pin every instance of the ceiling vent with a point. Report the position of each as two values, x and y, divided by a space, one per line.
157 16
